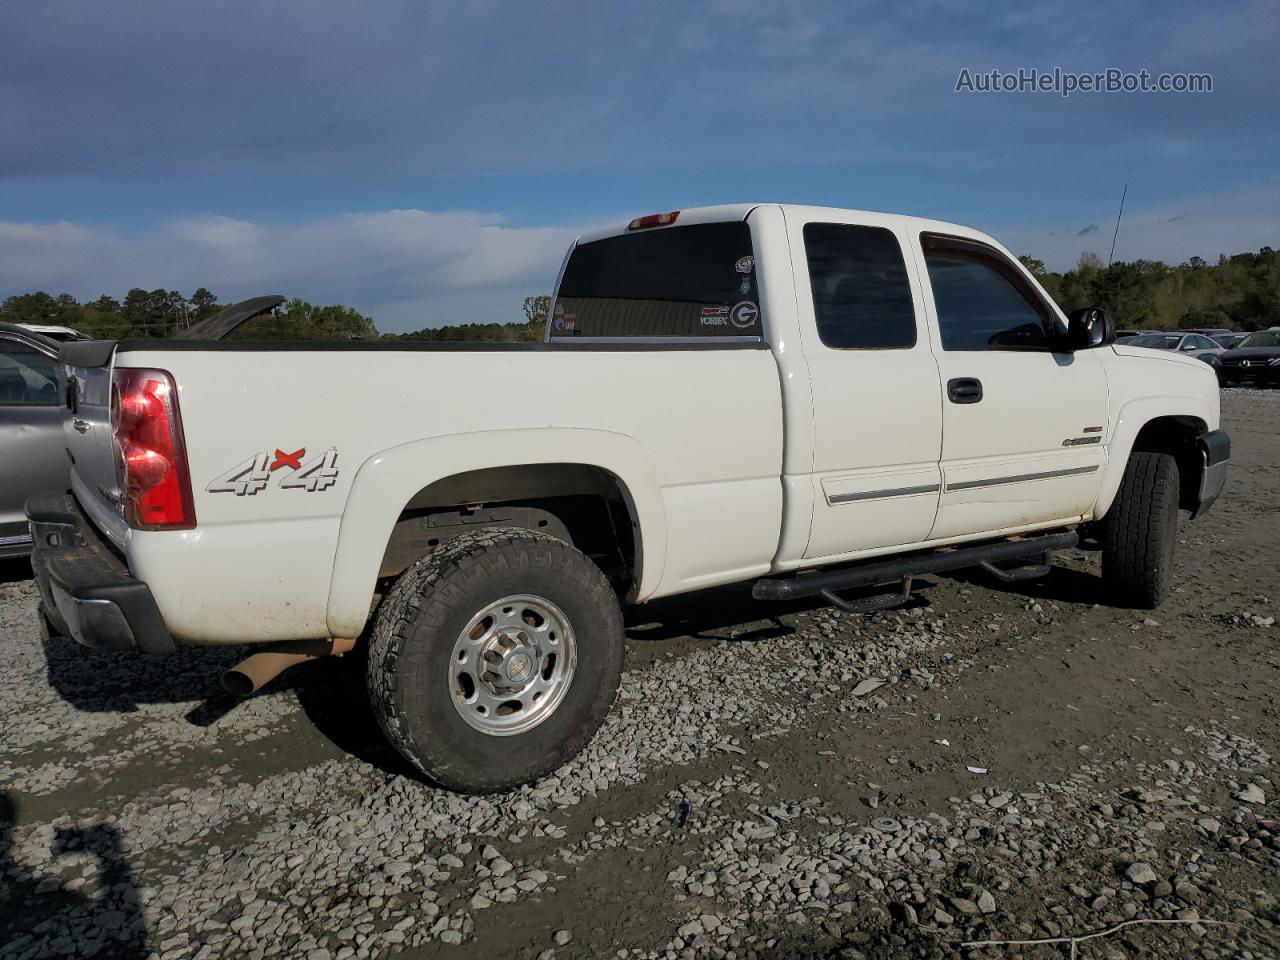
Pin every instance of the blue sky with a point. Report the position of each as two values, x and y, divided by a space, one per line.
428 162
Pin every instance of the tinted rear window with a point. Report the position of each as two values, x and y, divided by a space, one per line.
861 296
694 281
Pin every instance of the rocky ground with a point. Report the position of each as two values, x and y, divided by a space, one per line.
989 764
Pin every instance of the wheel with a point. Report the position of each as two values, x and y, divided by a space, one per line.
1140 530
495 658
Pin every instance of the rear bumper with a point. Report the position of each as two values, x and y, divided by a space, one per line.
85 587
1215 448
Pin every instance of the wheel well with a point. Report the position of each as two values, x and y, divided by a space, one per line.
584 505
1177 436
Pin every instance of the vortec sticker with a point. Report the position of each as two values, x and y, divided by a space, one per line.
255 474
715 316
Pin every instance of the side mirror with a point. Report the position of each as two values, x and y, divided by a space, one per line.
1090 327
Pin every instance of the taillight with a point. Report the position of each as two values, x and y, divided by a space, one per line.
155 484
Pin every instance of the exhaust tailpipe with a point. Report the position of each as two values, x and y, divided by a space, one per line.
257 670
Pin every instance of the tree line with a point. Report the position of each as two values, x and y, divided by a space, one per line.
162 313
1240 292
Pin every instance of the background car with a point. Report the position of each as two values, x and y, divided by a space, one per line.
33 456
1228 340
1255 360
1206 331
1191 344
60 334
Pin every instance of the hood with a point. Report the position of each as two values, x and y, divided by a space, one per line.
1149 353
1251 353
222 323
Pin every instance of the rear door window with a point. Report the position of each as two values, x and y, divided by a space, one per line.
693 281
28 377
861 296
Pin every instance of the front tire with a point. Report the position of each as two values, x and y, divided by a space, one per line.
495 659
1140 531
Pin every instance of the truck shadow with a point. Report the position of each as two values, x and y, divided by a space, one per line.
15 570
69 922
333 696
1061 585
722 613
119 683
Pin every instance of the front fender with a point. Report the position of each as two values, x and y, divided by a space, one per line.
387 481
1133 416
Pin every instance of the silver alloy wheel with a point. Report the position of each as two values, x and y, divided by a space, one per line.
512 665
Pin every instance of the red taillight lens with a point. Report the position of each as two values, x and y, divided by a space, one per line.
154 481
653 220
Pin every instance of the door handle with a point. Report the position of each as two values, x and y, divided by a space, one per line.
964 390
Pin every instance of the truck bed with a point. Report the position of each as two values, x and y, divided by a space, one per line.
694 430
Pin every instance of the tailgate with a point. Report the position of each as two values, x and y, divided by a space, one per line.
94 477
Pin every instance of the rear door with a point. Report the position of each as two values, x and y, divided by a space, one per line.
31 409
877 418
1023 424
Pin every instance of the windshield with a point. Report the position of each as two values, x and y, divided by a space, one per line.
1157 341
1265 338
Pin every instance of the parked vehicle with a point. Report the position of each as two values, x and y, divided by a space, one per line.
1189 344
1228 341
33 457
53 332
1211 332
1254 361
1125 336
822 402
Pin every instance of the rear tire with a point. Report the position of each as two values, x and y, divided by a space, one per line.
495 659
1140 531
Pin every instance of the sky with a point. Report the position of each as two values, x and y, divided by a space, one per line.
429 162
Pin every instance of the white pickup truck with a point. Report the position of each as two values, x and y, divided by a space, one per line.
820 401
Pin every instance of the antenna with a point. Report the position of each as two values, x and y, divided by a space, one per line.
1117 233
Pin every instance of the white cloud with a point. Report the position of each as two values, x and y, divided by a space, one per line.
395 264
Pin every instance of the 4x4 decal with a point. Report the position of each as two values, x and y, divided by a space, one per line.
255 474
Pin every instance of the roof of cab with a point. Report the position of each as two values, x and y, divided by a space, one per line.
740 211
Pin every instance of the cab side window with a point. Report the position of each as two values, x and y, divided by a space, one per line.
861 296
28 377
982 302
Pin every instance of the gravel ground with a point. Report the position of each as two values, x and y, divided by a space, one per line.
988 764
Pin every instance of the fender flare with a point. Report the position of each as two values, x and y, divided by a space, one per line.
387 480
1133 416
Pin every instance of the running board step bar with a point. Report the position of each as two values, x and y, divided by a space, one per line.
873 602
901 569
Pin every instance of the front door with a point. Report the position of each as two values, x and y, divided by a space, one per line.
1023 423
877 417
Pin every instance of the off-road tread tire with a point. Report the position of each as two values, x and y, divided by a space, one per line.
432 592
1141 530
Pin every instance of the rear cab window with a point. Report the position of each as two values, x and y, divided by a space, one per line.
679 282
